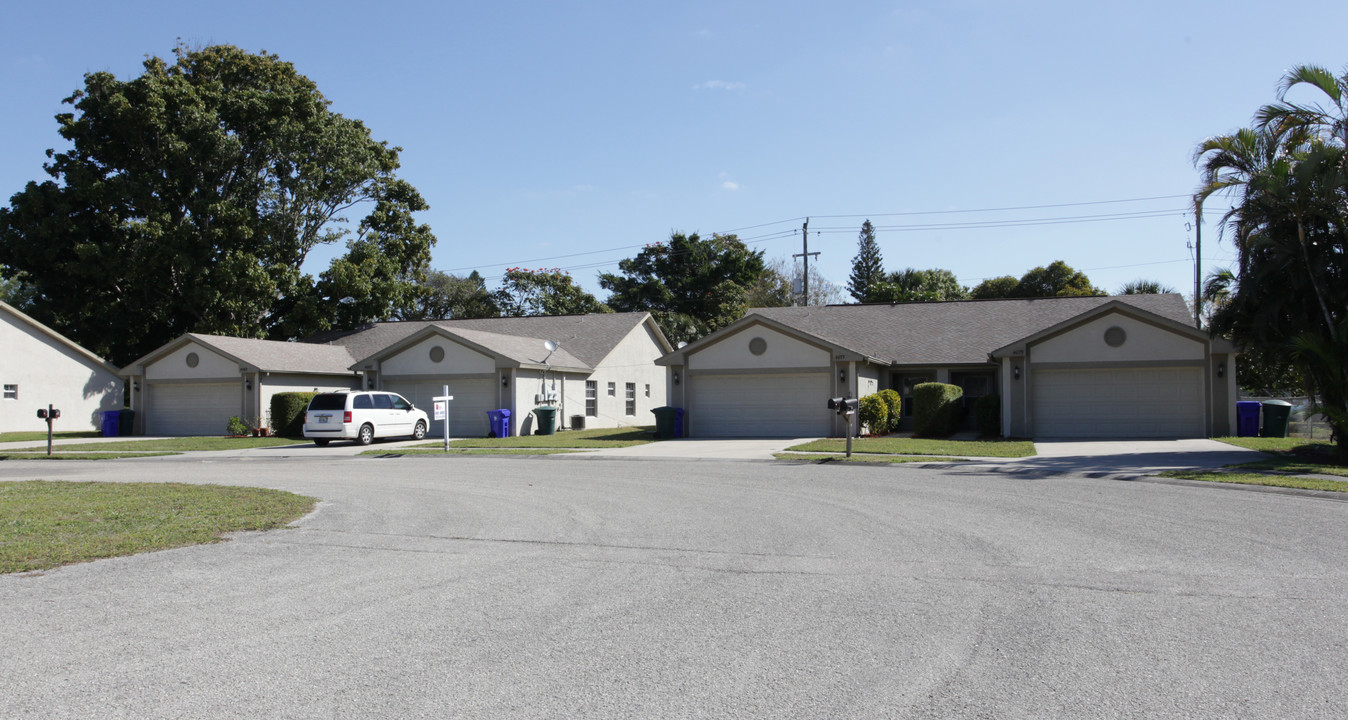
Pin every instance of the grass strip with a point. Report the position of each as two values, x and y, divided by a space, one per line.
421 450
178 444
874 459
922 446
79 455
36 435
1271 480
1287 445
47 524
582 439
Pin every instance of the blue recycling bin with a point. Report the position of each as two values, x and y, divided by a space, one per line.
500 422
1247 418
112 423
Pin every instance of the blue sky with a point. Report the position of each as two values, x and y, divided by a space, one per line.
571 134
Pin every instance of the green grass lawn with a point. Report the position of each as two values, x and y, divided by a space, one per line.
36 435
869 458
181 444
593 438
921 446
78 455
1293 445
439 449
47 524
1273 480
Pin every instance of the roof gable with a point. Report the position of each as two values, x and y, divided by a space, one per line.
23 319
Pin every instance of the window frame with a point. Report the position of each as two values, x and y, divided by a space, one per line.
631 392
11 391
592 398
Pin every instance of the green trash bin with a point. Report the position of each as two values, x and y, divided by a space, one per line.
1276 416
547 420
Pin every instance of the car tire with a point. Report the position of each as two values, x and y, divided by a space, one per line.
321 442
419 432
366 434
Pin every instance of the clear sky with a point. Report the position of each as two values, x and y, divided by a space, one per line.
570 134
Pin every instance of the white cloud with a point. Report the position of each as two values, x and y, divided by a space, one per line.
720 85
730 185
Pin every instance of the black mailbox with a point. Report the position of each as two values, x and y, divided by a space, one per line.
42 413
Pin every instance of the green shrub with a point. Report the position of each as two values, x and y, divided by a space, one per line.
937 409
287 413
988 415
895 403
236 426
873 412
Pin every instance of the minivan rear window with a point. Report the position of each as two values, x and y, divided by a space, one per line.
328 401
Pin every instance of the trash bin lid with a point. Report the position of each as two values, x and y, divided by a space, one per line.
1277 402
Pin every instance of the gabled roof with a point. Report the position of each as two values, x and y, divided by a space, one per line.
960 332
1116 306
509 350
586 338
58 337
263 355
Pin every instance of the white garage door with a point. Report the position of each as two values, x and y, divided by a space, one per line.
1141 402
467 411
192 408
759 405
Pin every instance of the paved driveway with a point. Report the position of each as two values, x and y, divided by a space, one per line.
543 587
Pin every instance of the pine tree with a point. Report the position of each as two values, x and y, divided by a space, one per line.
868 268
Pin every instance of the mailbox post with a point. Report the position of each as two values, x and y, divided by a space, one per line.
49 414
847 408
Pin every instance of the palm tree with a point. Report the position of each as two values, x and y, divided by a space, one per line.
1145 287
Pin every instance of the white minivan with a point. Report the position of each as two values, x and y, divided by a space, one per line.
362 416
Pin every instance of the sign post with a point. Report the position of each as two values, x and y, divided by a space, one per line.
442 410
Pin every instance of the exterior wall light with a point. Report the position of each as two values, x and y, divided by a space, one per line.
247 384
369 383
676 377
1015 372
1221 369
505 381
842 376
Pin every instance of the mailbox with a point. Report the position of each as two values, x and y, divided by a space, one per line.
844 406
42 413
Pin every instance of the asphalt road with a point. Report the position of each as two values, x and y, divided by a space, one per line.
555 588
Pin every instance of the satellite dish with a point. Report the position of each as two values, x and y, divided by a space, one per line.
682 344
550 345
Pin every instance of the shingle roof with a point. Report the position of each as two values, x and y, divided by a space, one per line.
278 356
587 338
949 333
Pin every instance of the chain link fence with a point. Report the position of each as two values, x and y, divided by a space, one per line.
1302 422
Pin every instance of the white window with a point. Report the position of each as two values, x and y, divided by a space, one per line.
648 389
613 389
592 398
11 392
631 398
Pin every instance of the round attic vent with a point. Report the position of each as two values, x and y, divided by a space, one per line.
437 354
192 360
758 346
1115 336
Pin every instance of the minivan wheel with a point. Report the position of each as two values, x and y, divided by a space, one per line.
321 442
366 434
419 432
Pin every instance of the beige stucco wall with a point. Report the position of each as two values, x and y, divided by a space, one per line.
1144 343
210 365
632 360
868 380
783 351
48 372
458 360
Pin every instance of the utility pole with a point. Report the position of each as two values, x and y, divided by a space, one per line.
1198 263
805 253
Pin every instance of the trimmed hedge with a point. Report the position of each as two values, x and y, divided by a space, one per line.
988 415
937 409
287 413
873 412
895 403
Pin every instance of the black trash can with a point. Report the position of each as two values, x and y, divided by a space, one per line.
668 422
1247 418
1276 416
547 420
127 423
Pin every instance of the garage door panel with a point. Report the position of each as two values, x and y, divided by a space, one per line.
467 411
759 405
1119 402
192 408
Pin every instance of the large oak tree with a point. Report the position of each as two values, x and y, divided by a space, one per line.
190 196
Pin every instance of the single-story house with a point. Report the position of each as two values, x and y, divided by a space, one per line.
602 372
1124 366
41 367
